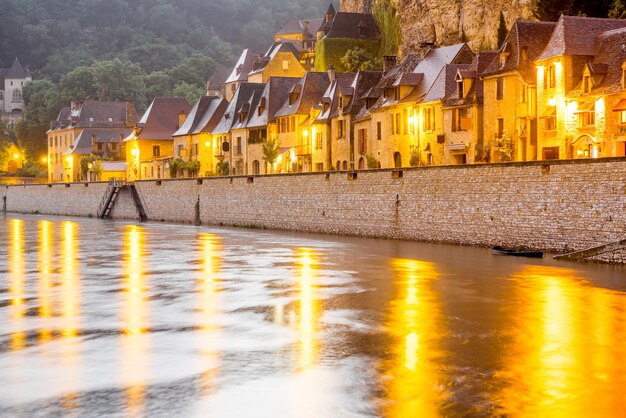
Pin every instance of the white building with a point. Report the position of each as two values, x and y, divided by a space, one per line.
12 82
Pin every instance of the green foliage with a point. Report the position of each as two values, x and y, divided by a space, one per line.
331 51
191 92
178 165
502 30
270 150
551 10
358 59
222 168
386 17
506 146
94 160
618 10
416 157
372 162
32 169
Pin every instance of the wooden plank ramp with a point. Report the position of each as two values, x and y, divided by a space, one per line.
592 252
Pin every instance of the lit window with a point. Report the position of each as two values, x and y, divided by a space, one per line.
285 65
622 117
499 88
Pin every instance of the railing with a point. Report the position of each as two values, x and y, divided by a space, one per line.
107 195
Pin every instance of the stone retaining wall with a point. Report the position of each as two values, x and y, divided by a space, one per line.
554 206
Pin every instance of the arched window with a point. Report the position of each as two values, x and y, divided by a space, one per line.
17 95
256 167
361 163
338 166
345 165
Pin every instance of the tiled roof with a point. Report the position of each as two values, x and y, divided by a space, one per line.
444 85
525 35
312 87
231 114
574 35
93 114
83 145
16 71
204 116
273 96
331 95
243 67
434 61
160 121
219 77
353 25
294 26
607 63
260 63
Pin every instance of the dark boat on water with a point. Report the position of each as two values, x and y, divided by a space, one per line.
517 253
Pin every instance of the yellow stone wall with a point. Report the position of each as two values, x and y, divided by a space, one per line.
139 158
283 64
56 165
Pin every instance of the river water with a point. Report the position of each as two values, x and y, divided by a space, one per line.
107 318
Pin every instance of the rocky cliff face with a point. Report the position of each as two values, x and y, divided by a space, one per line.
445 22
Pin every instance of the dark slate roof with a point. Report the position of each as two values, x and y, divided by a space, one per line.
574 35
243 67
219 77
62 120
434 61
363 83
311 88
353 25
82 144
3 72
606 68
16 71
294 26
160 121
94 114
533 36
231 114
204 116
273 96
341 82
444 84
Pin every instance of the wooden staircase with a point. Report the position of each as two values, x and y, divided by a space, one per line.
137 200
592 252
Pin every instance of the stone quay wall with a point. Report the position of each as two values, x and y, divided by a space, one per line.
555 206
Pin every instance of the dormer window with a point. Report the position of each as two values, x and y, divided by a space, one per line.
503 57
90 119
239 69
460 89
110 120
341 102
524 53
262 106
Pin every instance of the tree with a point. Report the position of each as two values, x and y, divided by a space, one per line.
502 30
618 10
191 92
551 10
506 146
270 150
115 80
372 162
416 157
358 59
386 17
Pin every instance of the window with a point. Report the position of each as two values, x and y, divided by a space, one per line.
429 119
179 150
405 121
398 123
523 94
500 128
110 120
319 166
318 140
460 120
550 153
586 119
622 117
17 95
340 102
524 53
285 65
549 77
362 141
499 88
256 167
339 129
99 146
460 89
238 149
292 126
1 95
379 130
550 123
113 146
156 151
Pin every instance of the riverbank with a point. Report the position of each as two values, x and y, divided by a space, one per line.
554 206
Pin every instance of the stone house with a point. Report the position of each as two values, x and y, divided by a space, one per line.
150 148
463 111
14 158
12 83
194 140
597 106
117 117
294 122
239 73
560 69
104 143
230 134
510 91
302 34
280 60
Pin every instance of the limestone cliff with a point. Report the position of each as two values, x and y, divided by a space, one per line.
445 22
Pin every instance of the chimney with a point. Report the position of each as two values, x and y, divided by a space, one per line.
425 47
130 112
331 73
306 25
389 61
181 118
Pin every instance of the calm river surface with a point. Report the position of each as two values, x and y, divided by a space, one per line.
103 318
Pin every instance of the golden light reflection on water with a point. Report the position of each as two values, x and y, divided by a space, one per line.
17 285
70 311
45 278
566 358
135 321
412 380
209 308
309 310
